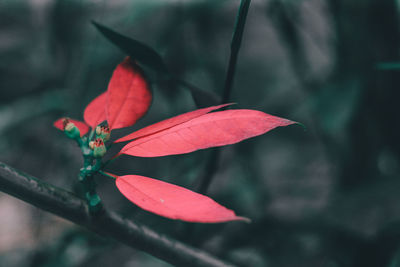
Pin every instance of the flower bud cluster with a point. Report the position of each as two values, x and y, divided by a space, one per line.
98 147
103 132
102 136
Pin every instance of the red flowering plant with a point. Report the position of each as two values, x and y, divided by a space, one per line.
128 97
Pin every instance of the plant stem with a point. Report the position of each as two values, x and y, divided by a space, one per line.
91 135
86 178
212 164
235 47
106 174
209 171
68 206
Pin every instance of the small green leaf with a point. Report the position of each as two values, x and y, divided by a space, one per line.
144 54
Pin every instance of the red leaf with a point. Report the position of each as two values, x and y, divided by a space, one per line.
168 123
95 112
60 124
173 201
210 130
129 96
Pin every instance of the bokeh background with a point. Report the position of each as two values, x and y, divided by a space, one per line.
326 196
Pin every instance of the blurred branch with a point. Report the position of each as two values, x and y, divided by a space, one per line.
68 206
235 46
212 164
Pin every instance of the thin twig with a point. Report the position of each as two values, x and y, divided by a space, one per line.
106 174
212 164
235 47
68 206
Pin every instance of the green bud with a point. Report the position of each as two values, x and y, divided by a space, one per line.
91 145
99 149
103 132
98 130
71 130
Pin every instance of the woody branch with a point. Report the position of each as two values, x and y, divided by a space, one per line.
70 207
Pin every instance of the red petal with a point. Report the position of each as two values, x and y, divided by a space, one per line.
83 128
129 96
173 201
168 123
210 130
95 112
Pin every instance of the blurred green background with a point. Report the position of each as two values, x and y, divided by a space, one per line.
328 196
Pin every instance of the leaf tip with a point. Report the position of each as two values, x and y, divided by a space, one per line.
228 105
286 122
243 219
300 124
289 122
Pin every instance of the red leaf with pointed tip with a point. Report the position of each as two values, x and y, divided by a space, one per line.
168 123
95 112
173 201
83 128
210 130
129 96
